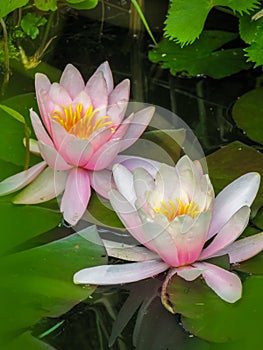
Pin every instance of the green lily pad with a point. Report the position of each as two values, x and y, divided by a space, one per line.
232 161
205 315
82 4
248 111
9 6
204 57
37 282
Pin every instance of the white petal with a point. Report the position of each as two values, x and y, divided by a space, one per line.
124 181
123 273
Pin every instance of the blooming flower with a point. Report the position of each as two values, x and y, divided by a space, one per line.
177 219
81 131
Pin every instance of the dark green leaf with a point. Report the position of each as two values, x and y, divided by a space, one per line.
232 161
186 19
248 112
209 317
201 58
255 51
248 28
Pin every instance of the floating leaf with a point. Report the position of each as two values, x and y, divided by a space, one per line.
186 19
207 316
248 111
201 58
37 282
232 161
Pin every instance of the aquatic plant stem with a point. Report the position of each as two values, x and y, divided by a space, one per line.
144 21
6 57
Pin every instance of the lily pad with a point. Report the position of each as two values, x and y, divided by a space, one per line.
232 161
204 57
37 282
248 111
205 315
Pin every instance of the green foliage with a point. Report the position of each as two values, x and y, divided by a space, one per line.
247 113
204 57
30 24
207 316
46 5
82 4
232 161
8 6
186 19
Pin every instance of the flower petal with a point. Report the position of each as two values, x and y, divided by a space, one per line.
239 193
139 123
189 273
58 95
53 158
39 129
105 69
244 248
118 101
123 273
224 283
143 183
127 214
128 252
97 90
20 180
133 162
49 184
76 196
101 181
72 81
74 150
103 156
124 181
228 233
42 86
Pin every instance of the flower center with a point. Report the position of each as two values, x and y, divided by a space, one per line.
172 209
79 122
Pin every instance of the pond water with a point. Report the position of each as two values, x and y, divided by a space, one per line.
86 39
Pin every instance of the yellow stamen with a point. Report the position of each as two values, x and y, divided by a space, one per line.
81 123
172 209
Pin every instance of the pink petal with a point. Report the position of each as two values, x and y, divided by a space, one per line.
59 95
123 273
20 180
224 283
74 150
244 249
101 182
53 158
143 183
105 69
100 137
40 131
127 214
47 185
228 233
139 123
43 102
76 196
118 101
239 193
128 252
42 86
97 90
72 81
133 162
103 156
124 182
84 99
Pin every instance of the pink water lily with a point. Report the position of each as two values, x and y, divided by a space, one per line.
174 215
80 132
